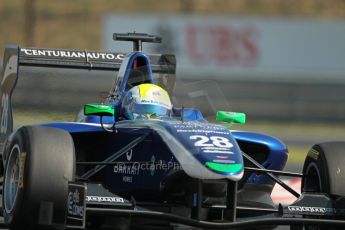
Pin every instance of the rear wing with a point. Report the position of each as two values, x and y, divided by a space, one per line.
16 57
76 59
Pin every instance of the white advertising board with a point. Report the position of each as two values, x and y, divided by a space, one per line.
231 47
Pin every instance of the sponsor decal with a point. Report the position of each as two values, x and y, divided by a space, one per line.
316 210
223 44
129 155
312 209
132 169
75 205
199 131
127 179
198 125
313 154
193 127
216 148
156 102
216 151
105 199
222 157
71 54
127 169
22 159
224 161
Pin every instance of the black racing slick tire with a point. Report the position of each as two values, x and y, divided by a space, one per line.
324 168
40 162
324 172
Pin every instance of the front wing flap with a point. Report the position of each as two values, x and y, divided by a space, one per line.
93 199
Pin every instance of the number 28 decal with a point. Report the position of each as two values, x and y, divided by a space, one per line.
212 141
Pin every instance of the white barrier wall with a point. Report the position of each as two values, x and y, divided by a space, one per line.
235 47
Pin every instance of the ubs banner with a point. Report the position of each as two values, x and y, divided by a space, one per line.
231 47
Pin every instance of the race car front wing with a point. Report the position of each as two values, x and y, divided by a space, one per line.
86 200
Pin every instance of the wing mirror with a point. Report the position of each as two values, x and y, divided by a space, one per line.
101 110
231 117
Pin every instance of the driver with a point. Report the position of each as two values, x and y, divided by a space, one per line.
146 101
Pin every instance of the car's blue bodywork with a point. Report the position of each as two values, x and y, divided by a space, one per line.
123 178
180 147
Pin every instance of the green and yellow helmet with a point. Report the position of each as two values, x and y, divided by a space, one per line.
146 101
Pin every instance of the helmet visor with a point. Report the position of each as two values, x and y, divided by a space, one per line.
149 111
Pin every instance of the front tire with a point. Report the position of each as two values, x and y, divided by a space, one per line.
324 170
40 163
325 167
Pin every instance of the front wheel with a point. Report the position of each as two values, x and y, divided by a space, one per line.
324 171
324 168
39 165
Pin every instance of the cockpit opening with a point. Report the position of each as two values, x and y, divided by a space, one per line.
139 74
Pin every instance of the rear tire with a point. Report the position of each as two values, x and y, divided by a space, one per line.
40 163
324 168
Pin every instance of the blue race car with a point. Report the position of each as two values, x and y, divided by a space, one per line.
137 162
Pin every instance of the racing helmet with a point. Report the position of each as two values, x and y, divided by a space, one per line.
146 101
